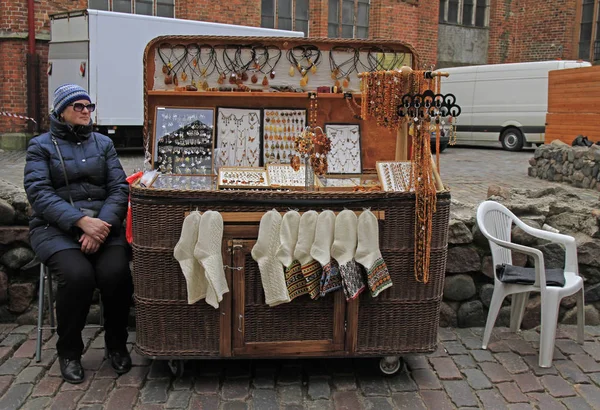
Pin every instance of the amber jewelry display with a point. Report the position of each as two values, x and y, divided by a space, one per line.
284 176
242 177
183 141
396 176
345 154
238 141
280 127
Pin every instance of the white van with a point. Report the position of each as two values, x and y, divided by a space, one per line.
502 103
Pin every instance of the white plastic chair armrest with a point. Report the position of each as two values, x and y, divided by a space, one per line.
571 264
536 254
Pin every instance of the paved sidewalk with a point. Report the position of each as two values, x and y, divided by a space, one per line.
467 171
458 375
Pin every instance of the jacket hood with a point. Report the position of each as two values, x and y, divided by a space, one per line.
69 132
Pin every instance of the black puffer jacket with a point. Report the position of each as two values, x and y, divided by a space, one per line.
96 181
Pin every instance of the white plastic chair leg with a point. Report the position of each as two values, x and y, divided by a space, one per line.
517 310
550 305
580 317
495 305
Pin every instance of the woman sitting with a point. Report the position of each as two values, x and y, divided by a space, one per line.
77 189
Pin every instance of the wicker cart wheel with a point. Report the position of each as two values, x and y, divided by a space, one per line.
390 365
177 367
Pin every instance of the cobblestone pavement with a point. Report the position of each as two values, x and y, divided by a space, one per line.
466 171
458 375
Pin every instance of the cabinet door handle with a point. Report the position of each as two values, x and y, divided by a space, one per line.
240 321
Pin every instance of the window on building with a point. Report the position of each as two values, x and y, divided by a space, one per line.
464 12
285 14
587 26
348 18
162 8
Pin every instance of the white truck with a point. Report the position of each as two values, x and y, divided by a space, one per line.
103 52
503 104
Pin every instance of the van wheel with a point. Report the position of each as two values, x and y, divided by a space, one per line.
512 139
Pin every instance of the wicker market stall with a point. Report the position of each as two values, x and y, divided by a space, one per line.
284 80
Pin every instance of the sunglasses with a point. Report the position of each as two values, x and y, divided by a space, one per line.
78 107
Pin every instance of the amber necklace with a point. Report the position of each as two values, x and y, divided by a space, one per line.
344 68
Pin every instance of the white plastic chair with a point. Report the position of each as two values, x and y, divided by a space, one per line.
495 222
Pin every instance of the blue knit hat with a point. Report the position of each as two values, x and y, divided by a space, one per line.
67 94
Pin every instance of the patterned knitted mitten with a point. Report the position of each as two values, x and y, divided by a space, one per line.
264 253
321 252
311 269
288 235
343 250
368 254
208 252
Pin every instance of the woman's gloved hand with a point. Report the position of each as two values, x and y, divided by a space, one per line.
96 228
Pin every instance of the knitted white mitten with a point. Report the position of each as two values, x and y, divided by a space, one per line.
208 253
288 234
343 250
369 255
321 252
311 269
184 254
264 253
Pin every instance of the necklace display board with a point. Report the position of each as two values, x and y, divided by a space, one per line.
247 81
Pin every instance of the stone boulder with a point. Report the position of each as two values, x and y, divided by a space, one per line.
17 257
592 317
7 213
3 287
471 314
458 233
459 288
448 316
20 296
463 259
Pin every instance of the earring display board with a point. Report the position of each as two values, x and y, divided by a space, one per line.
279 129
238 139
345 154
396 176
184 141
284 176
243 177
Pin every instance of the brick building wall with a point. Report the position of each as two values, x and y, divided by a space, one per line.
532 30
520 30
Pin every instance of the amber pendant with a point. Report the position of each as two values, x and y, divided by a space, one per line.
232 78
183 76
272 74
304 81
204 85
193 83
175 79
244 76
337 83
335 73
265 81
254 78
168 79
292 71
165 69
346 82
221 79
313 69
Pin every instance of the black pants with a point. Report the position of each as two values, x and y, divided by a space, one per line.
78 275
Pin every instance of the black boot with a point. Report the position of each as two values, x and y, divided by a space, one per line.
71 370
120 360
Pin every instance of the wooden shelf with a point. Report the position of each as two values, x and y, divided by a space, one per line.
244 94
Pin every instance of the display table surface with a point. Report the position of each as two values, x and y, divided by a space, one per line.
402 319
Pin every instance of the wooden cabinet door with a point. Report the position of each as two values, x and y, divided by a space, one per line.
303 327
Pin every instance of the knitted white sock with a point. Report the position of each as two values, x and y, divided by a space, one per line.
321 247
321 252
311 269
184 254
208 253
369 255
264 253
343 250
288 234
